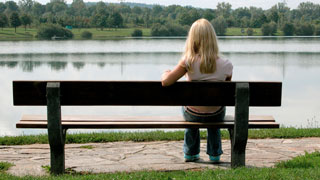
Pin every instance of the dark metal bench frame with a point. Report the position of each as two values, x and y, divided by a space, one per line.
54 94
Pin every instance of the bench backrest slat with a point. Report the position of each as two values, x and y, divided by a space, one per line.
83 93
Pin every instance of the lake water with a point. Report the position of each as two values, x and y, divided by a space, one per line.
293 61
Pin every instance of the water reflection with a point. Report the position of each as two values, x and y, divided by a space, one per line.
298 70
79 61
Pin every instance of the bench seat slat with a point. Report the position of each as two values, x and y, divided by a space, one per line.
94 118
129 125
146 124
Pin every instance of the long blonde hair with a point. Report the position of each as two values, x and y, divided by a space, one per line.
202 41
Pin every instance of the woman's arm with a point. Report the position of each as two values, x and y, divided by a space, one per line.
169 77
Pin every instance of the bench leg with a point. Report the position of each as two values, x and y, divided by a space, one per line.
239 135
56 134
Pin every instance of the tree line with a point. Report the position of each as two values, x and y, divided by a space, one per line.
171 20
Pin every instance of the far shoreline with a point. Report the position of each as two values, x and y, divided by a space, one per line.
8 34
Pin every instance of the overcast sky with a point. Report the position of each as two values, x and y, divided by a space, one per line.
265 4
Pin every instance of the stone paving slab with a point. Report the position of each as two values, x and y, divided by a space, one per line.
158 155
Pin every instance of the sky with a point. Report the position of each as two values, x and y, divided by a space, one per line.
265 4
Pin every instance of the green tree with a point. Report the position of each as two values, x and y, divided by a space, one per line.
25 20
117 20
101 21
317 30
224 9
304 29
209 14
38 9
273 28
2 7
288 29
269 29
184 18
266 29
220 25
11 7
26 5
79 7
15 20
3 20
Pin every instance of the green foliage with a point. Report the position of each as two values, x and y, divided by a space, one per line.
15 20
250 31
137 33
317 30
304 29
156 136
52 30
87 147
86 35
288 29
3 20
269 29
309 160
169 30
25 20
292 169
4 166
220 25
116 20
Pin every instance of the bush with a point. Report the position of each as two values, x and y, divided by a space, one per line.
169 30
86 35
52 30
273 27
288 29
305 29
249 31
137 33
266 29
220 25
269 29
317 30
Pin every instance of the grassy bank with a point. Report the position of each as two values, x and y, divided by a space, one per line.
7 34
302 167
256 32
155 136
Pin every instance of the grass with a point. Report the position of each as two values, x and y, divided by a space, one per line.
256 32
87 147
4 166
8 34
289 170
155 136
109 33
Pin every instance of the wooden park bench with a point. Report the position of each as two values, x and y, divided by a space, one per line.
55 94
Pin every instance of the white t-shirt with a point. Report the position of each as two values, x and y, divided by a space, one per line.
224 69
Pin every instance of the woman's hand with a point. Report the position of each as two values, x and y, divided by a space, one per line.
169 77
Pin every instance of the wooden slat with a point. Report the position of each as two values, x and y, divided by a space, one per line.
95 118
149 93
133 125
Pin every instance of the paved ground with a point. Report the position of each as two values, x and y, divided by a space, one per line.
161 156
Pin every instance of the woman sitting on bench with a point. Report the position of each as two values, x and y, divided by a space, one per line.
201 62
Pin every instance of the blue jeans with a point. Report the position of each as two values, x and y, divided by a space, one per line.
192 135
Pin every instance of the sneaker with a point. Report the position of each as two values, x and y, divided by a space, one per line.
191 158
214 159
